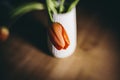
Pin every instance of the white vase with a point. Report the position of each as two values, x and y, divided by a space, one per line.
68 20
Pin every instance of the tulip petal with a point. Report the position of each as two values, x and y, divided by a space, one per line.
66 39
4 33
56 37
54 40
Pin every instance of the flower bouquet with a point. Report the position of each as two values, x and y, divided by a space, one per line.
62 27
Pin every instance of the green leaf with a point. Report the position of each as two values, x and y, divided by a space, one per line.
73 4
61 6
51 7
21 10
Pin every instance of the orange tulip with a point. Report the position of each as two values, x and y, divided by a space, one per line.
58 36
4 33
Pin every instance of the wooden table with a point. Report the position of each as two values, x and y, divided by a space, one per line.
25 56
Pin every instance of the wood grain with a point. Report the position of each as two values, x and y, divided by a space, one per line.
96 56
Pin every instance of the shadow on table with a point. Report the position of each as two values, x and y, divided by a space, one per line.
32 30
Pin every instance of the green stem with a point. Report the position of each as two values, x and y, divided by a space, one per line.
50 15
73 4
51 7
23 9
61 9
27 8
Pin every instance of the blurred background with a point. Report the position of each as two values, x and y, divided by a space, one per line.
100 18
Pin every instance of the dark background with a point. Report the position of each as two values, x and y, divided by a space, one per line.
28 27
107 11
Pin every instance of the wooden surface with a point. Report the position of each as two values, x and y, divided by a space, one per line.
24 56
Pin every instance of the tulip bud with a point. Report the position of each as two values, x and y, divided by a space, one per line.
4 33
58 36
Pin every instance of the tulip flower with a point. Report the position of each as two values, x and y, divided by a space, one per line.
57 33
4 33
58 36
